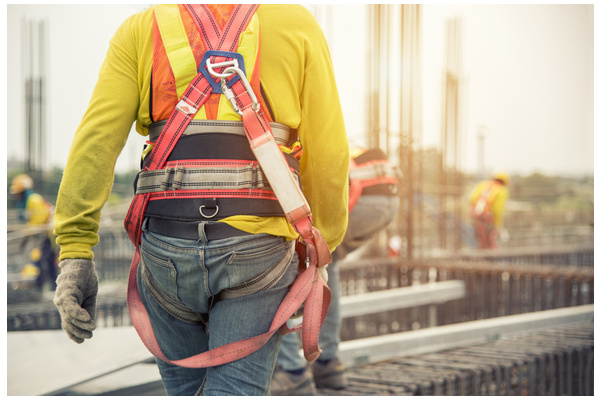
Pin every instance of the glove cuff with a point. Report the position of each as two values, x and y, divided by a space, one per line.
76 264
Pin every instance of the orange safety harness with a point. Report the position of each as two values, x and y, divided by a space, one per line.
483 206
371 170
308 288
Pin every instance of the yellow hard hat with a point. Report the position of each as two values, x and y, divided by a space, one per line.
502 176
30 271
35 254
20 183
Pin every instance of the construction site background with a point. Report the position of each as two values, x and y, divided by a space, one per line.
542 210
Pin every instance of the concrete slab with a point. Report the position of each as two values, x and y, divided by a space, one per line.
134 376
43 362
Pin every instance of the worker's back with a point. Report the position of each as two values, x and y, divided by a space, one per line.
38 209
298 83
489 197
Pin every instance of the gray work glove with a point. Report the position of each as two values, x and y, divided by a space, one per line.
75 298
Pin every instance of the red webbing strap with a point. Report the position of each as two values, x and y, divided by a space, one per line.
213 37
194 97
357 185
315 250
302 288
308 287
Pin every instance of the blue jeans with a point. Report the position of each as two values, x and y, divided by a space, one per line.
370 215
192 272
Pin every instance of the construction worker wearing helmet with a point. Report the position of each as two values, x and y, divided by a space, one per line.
36 211
488 200
32 207
373 204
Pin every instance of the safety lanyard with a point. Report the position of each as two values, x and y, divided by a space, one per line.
308 287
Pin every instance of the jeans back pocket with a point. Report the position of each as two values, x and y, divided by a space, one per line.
163 271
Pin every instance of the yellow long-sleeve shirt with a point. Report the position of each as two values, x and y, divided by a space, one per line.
298 79
497 200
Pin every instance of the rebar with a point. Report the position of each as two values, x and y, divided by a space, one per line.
549 362
493 290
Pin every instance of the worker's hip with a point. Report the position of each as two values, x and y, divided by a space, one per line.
371 214
191 272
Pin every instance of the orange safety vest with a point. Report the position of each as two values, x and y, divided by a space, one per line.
177 58
217 168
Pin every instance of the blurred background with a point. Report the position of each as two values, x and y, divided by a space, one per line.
452 93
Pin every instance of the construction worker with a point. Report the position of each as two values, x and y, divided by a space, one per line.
200 248
37 212
487 201
373 204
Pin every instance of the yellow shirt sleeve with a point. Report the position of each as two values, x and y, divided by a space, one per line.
476 192
102 133
297 75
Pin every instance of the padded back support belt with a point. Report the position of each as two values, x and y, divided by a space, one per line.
205 209
233 176
284 135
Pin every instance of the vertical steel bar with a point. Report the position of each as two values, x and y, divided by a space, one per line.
409 221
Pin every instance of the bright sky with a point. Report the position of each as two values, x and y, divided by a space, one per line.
528 78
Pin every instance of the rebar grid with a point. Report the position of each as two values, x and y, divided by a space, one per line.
549 362
493 290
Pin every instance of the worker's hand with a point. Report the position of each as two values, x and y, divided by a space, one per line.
323 272
504 236
76 291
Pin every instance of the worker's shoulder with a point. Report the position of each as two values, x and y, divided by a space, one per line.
483 183
140 21
289 16
35 199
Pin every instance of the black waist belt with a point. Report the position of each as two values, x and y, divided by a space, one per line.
189 230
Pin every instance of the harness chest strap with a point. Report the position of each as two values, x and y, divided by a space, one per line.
308 287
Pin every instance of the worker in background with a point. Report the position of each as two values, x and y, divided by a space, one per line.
488 200
37 212
196 251
373 205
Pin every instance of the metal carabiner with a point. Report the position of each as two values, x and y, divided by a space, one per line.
232 68
229 94
224 74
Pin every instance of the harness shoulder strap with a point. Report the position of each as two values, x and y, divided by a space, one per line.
180 55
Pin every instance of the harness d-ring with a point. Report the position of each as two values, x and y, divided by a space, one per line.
206 216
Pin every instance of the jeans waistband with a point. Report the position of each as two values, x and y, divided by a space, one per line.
190 230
